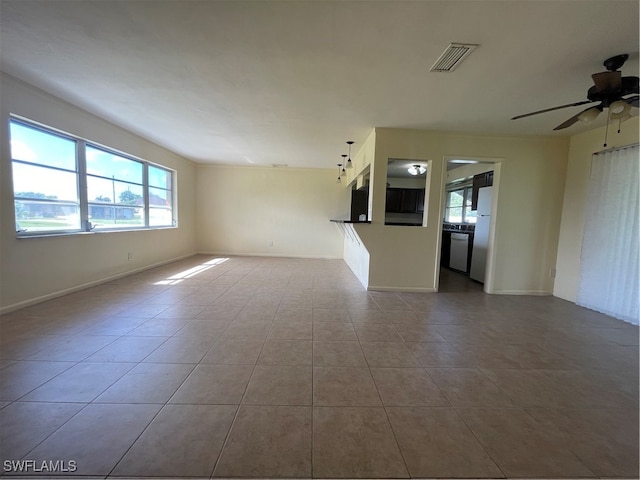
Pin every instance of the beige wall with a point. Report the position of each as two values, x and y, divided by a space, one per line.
270 211
34 269
528 210
467 171
242 210
581 149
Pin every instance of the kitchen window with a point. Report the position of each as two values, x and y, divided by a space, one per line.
458 206
63 184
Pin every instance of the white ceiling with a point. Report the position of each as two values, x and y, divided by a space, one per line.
263 82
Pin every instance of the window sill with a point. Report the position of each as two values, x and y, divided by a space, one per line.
93 232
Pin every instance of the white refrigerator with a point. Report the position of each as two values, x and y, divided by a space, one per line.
481 235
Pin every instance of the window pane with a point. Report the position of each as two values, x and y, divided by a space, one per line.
454 215
159 197
160 217
109 216
159 177
470 216
455 198
110 165
35 146
469 193
35 216
111 191
35 182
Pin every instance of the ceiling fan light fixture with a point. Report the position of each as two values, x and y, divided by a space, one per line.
589 115
619 110
416 170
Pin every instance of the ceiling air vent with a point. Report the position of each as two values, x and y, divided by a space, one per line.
452 57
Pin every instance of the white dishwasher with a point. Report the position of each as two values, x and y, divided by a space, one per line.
459 251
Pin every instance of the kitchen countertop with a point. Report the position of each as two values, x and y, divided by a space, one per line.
459 228
404 224
350 221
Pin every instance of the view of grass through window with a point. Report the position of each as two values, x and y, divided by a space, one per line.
51 195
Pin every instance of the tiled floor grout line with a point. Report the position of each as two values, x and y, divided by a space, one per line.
235 416
54 431
382 404
115 465
484 448
525 410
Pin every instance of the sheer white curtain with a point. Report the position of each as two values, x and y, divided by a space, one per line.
610 250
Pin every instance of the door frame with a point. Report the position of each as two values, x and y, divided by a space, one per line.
491 254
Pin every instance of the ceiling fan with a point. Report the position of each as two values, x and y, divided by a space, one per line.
610 89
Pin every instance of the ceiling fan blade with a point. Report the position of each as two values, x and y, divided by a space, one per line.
553 108
630 85
575 118
607 81
568 123
633 101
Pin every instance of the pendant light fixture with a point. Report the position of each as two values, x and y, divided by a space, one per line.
338 180
349 163
345 165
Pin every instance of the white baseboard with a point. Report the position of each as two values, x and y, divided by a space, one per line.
378 288
267 255
93 283
540 293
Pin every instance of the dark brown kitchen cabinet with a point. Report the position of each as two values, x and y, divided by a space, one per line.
481 180
409 201
405 200
420 204
394 200
445 249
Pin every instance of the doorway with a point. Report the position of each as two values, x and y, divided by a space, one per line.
468 215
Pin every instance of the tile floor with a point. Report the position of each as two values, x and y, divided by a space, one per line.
258 367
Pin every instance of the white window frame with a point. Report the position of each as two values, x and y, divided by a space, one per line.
86 225
466 197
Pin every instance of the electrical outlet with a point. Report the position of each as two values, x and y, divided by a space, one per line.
130 256
271 243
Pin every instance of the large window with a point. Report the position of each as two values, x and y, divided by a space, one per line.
64 184
458 208
45 180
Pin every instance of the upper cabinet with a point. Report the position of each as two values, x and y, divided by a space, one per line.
481 180
405 200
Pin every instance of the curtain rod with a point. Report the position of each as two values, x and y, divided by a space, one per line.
613 149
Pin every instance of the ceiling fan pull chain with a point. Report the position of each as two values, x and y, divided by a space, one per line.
606 131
